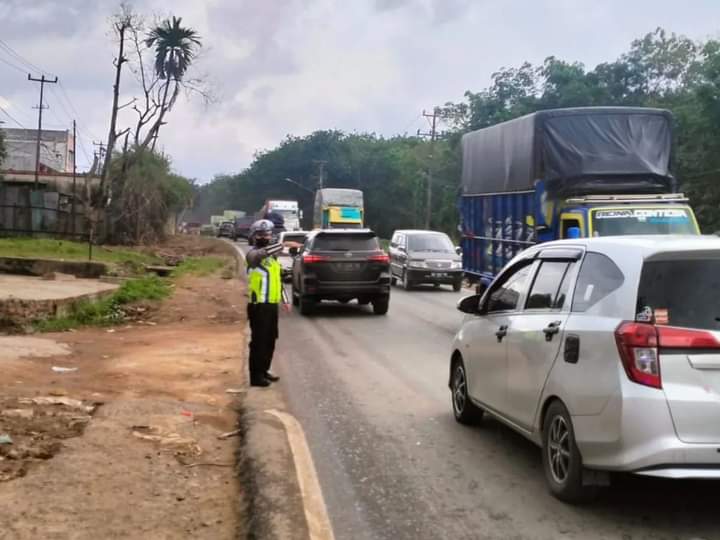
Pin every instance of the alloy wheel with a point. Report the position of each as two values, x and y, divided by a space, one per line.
459 389
558 454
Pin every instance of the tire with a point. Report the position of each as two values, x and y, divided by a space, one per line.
307 305
457 286
464 410
381 305
393 280
562 461
295 298
406 284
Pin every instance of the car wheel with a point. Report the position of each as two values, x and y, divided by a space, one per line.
562 461
381 305
406 281
464 410
307 305
295 298
393 281
457 286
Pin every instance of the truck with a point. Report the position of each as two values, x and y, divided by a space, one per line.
338 208
289 211
231 215
566 173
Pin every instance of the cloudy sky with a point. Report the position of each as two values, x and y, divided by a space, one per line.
283 67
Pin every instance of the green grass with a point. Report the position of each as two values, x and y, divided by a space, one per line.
199 266
108 311
47 248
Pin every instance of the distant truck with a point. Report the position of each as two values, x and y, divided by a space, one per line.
289 211
565 173
337 208
231 215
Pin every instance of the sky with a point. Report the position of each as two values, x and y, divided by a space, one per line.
290 67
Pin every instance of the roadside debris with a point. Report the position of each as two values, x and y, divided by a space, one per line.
234 391
229 434
61 369
5 439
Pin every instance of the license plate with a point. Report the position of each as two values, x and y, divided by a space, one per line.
439 274
349 267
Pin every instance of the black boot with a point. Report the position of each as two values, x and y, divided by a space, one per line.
261 381
270 376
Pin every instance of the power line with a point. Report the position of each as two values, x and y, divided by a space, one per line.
22 59
15 67
11 117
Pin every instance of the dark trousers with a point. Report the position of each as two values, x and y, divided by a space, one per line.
263 334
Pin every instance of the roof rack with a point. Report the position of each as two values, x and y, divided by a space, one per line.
653 197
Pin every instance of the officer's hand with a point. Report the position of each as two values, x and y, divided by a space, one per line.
287 308
290 244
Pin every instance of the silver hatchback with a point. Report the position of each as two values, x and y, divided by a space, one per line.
603 351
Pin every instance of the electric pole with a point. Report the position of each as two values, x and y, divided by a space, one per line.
321 171
74 177
101 149
433 117
42 80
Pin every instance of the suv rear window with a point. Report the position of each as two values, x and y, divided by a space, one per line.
686 292
345 242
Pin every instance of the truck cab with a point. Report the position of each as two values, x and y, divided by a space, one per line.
337 208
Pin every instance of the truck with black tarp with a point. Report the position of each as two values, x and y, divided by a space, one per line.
565 173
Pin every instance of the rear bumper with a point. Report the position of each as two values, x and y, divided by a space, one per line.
447 277
635 433
332 290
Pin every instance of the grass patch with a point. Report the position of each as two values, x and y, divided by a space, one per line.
109 310
199 266
48 248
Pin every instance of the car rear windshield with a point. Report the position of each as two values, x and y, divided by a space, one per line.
346 242
300 238
626 221
683 293
430 242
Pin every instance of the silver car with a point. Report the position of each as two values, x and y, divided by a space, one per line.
603 351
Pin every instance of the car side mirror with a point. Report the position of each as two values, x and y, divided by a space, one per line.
470 304
458 250
293 251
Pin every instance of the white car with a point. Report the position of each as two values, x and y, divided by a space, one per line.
603 351
292 236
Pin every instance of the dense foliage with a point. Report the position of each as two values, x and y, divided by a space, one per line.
659 70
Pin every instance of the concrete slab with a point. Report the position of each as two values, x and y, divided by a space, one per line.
35 288
15 347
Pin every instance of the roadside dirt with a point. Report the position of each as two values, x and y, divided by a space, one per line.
139 456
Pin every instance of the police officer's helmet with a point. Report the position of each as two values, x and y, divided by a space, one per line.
261 226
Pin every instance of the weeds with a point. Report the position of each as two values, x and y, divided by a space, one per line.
199 266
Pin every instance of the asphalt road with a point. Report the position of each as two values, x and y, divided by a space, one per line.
371 394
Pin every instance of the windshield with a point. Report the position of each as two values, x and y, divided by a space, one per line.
285 212
628 221
430 242
345 242
684 292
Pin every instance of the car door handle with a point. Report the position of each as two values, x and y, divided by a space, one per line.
501 333
551 329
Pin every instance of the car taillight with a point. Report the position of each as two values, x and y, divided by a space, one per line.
638 347
309 259
671 337
379 257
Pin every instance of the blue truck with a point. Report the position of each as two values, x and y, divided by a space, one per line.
567 173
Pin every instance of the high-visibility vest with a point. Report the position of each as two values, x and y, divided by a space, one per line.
265 282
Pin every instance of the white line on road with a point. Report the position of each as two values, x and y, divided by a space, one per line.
313 503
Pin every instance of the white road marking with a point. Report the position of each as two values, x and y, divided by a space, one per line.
313 503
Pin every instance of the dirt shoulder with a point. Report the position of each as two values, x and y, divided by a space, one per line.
138 454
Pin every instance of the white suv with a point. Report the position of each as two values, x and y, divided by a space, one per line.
603 351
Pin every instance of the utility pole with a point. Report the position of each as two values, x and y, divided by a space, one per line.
42 80
321 171
101 149
433 117
74 177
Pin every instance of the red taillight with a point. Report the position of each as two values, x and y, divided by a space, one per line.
638 347
309 259
671 337
379 257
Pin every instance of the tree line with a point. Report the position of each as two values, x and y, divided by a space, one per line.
660 69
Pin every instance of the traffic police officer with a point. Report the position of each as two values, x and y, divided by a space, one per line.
265 291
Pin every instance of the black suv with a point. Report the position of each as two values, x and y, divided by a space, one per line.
341 264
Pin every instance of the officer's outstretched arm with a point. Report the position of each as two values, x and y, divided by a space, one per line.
256 256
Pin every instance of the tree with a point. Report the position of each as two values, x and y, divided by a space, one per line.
175 49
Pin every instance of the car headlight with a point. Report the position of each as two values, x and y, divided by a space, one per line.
456 265
417 264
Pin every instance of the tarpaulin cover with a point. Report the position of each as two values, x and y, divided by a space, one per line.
582 150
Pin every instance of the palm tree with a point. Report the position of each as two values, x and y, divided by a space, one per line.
175 49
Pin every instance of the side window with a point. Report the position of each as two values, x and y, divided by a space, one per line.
598 277
546 289
505 296
401 240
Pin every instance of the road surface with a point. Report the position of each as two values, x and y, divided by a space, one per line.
371 394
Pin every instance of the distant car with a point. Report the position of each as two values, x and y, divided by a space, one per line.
341 264
603 351
242 227
226 229
292 236
418 257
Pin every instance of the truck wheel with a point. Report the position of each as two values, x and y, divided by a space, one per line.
457 286
307 305
381 305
